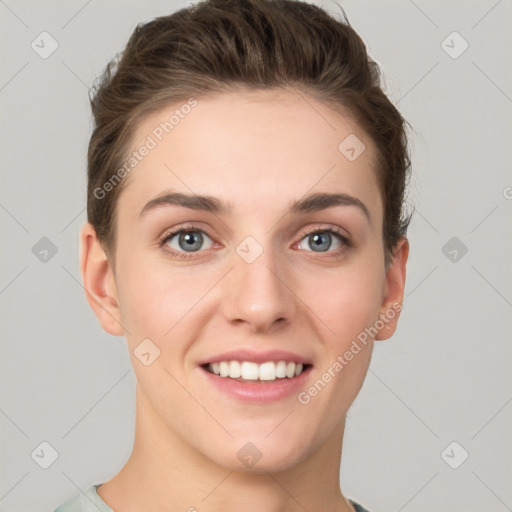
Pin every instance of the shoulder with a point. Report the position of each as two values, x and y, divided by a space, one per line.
88 501
71 505
357 507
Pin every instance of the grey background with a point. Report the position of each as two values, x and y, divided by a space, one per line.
446 374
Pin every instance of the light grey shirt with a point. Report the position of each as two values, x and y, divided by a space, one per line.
90 501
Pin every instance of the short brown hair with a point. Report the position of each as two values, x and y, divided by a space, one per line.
221 45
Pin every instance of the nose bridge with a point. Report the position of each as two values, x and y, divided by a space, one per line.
257 293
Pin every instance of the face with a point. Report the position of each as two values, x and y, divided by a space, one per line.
257 275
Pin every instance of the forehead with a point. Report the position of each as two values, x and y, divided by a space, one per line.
251 148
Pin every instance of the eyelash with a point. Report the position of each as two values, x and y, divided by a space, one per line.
191 227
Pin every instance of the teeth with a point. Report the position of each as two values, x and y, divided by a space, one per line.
248 370
235 369
267 371
224 369
281 369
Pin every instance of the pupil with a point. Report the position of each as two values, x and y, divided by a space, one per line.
189 239
319 243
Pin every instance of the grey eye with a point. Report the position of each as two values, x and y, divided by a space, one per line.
320 241
188 241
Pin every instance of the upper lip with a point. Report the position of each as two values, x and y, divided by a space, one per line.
257 357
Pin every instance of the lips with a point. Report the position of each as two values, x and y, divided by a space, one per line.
255 391
270 384
257 357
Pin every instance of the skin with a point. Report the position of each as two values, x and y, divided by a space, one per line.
259 151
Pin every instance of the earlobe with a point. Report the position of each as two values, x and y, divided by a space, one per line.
97 278
395 285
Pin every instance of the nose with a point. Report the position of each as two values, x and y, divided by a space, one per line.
258 295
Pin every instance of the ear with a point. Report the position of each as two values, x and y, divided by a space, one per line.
394 292
98 280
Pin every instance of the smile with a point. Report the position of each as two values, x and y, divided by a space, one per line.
250 371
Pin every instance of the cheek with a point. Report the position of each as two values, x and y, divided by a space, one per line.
346 301
155 298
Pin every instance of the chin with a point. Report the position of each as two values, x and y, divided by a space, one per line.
260 455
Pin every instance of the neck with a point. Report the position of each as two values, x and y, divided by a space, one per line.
165 473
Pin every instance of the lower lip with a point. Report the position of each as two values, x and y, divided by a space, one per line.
259 391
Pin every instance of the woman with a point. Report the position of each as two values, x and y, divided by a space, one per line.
246 234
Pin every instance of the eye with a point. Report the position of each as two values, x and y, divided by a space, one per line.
184 241
321 240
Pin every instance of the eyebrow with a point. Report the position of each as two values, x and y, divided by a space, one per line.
311 203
